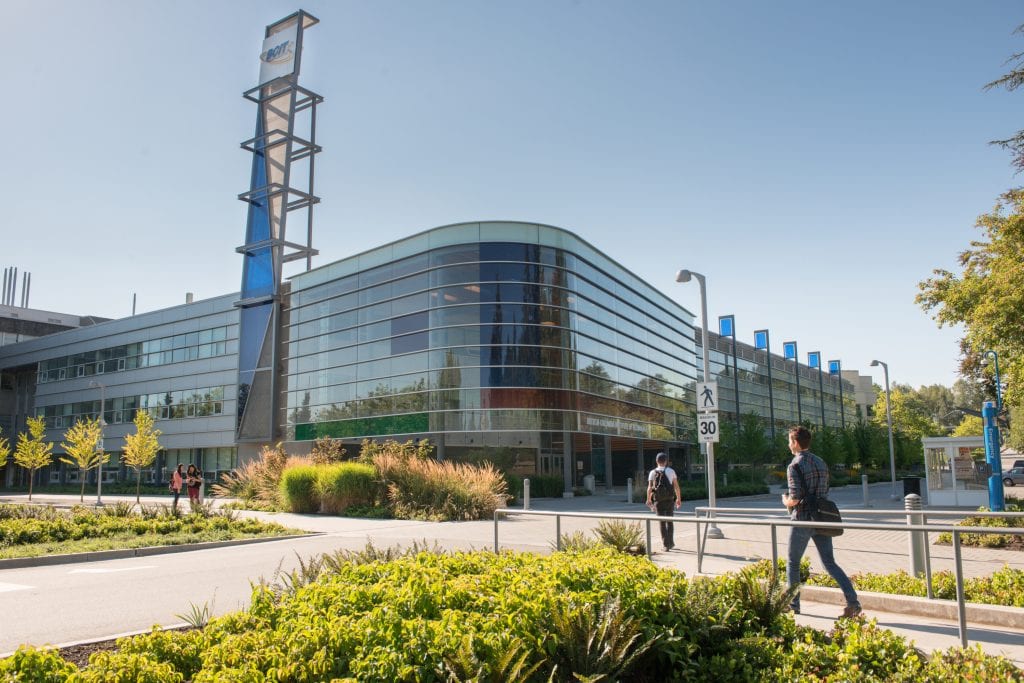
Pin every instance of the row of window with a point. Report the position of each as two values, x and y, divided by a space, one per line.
171 405
542 263
171 349
488 366
348 293
508 420
322 405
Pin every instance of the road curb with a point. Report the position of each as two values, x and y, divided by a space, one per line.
990 615
100 555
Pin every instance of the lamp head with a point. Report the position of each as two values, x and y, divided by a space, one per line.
875 363
684 276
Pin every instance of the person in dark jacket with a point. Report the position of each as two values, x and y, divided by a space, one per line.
808 470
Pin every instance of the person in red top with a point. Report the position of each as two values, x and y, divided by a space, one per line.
193 480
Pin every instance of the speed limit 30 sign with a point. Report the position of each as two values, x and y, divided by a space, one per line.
707 427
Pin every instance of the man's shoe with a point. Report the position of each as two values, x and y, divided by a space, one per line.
851 611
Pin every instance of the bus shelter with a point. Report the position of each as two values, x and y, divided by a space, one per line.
956 473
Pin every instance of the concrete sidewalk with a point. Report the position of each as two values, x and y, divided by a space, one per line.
857 551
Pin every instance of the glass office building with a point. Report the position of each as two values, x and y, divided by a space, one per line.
511 335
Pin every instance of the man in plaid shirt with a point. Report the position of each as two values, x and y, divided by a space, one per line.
815 476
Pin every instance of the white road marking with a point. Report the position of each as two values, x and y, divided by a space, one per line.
8 587
110 570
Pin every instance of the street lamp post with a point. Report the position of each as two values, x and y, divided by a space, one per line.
685 276
103 423
888 421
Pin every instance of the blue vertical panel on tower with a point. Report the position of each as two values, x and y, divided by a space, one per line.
258 266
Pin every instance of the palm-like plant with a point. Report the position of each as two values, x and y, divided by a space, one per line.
623 536
597 644
466 665
765 599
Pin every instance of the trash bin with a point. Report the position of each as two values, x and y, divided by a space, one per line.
588 483
911 485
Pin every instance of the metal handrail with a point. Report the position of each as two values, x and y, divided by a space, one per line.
858 512
773 524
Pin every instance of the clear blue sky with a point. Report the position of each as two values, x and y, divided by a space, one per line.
815 160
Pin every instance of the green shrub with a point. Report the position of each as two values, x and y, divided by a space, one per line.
22 525
342 485
36 665
546 486
422 616
298 489
1004 587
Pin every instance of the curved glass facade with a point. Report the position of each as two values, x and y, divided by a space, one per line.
503 328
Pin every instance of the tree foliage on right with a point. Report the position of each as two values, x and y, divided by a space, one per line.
987 297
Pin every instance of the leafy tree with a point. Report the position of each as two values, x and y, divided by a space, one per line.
970 425
940 404
327 450
987 297
140 448
32 452
909 415
968 393
869 441
1011 81
5 449
82 448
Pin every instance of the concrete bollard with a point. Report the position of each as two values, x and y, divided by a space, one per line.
918 539
725 479
629 490
526 494
864 488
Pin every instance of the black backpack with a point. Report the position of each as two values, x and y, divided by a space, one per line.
663 489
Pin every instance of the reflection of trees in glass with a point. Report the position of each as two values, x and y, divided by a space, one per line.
301 415
595 379
449 381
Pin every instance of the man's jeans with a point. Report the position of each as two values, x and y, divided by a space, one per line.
665 509
798 538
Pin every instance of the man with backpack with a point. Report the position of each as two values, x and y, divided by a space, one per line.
663 496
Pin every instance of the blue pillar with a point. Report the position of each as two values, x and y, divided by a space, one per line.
995 479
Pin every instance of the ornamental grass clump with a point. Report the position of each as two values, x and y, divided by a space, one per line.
343 485
255 480
298 488
421 488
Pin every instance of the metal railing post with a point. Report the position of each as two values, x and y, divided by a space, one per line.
558 532
775 549
696 522
927 560
912 504
961 608
526 494
649 551
496 516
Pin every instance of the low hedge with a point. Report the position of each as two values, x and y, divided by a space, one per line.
595 615
58 530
